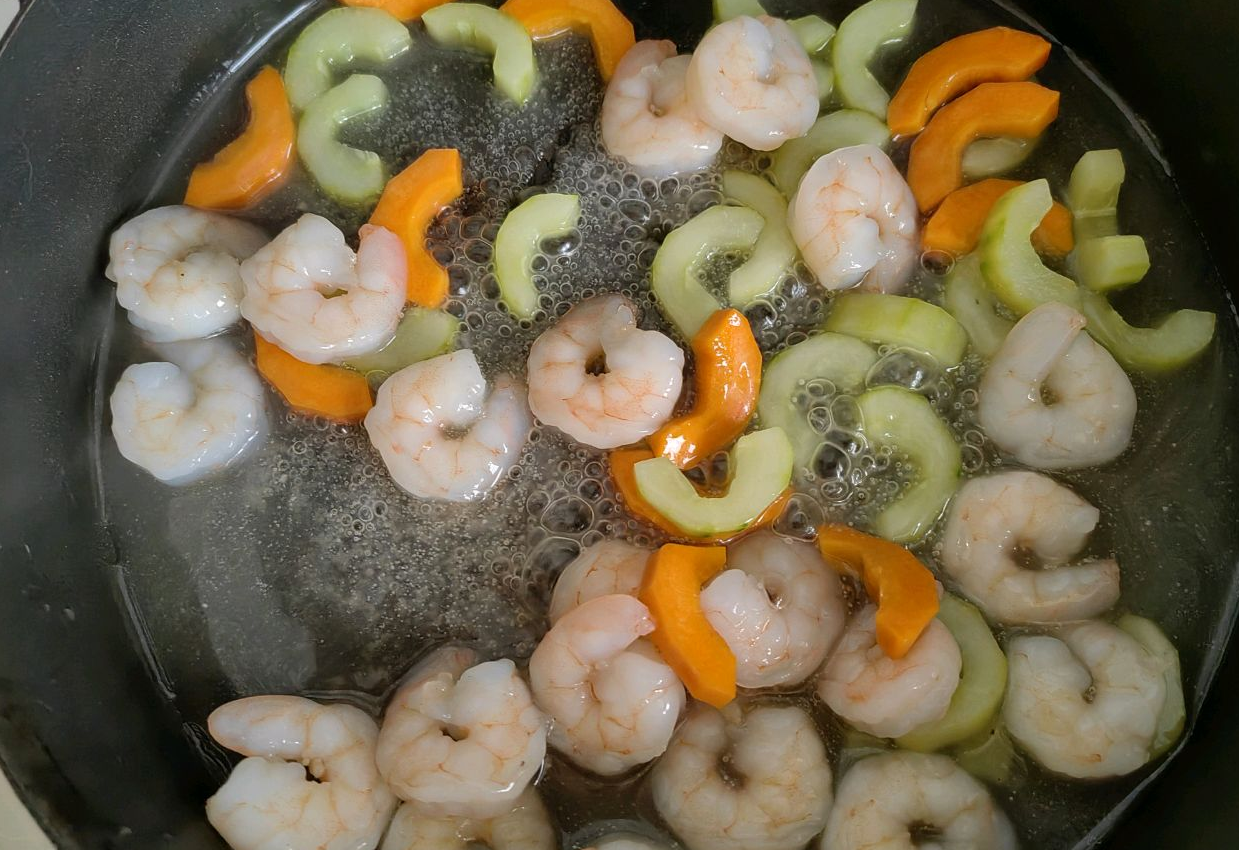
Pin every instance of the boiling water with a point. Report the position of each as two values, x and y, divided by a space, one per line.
306 570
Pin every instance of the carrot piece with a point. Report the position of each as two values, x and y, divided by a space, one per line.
903 587
253 164
610 32
727 381
332 391
671 589
955 227
935 166
995 55
409 202
404 10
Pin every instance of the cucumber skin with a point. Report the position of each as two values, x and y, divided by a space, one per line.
473 25
839 129
1173 716
371 34
421 334
774 252
1010 264
966 297
1107 263
1176 341
902 321
518 241
858 39
350 175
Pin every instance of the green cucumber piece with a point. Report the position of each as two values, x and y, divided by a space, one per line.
1175 341
991 157
982 684
421 334
966 297
905 421
842 360
473 26
1011 265
1173 716
1104 263
347 174
774 252
902 321
992 759
840 129
338 40
861 34
814 32
825 76
673 277
520 239
1093 193
725 10
761 465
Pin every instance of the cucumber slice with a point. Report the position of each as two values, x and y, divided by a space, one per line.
761 465
814 32
1173 716
1093 193
347 174
974 306
774 252
1178 339
520 239
335 41
673 277
1010 263
473 26
725 10
840 129
861 34
825 76
991 157
421 334
842 360
902 321
905 421
982 684
1111 262
992 759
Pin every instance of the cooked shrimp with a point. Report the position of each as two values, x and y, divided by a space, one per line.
1084 702
177 271
855 221
751 79
778 606
312 296
885 800
197 414
614 702
996 519
607 567
646 116
268 803
735 780
416 412
890 697
527 826
1091 407
643 372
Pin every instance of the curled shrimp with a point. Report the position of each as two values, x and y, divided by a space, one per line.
751 79
606 567
884 696
855 221
525 826
613 700
995 519
1091 410
646 117
198 413
269 804
776 791
636 391
313 297
461 739
416 411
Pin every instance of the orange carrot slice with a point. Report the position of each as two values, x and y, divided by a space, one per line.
332 391
955 227
404 10
610 32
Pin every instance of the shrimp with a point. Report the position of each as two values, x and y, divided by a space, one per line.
461 739
643 372
889 697
778 607
1091 407
995 519
313 297
1084 702
268 803
177 271
526 826
195 415
855 221
646 117
775 792
419 407
751 79
607 567
613 700
886 800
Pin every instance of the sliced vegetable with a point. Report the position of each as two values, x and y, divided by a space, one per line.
935 165
1008 260
902 321
336 41
671 589
1173 716
350 175
1093 193
409 203
472 26
991 758
774 252
331 391
520 239
990 157
860 36
907 423
814 33
1104 263
725 10
967 298
839 129
421 334
1175 341
903 588
955 227
609 31
404 10
825 77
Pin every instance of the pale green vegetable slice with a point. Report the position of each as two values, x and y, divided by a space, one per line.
1177 340
520 239
1173 716
840 129
421 334
1104 263
774 252
992 759
974 306
862 33
902 321
335 41
991 157
476 27
1011 265
814 33
346 173
725 10
1093 193
825 76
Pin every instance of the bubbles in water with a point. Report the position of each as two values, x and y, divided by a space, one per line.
904 367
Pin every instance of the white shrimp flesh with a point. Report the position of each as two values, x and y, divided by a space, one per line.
605 568
524 826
